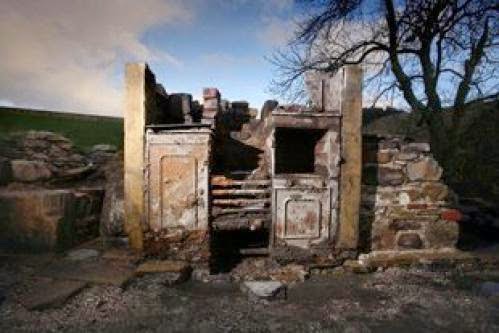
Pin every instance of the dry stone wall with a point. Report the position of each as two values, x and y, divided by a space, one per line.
49 193
405 204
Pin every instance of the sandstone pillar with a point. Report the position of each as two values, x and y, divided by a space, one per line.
135 122
351 152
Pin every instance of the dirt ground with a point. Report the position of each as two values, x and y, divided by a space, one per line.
392 300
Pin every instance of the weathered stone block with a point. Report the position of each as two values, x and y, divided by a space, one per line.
451 215
389 176
416 147
38 220
407 156
30 171
426 169
210 104
389 144
324 90
385 156
401 225
162 266
211 93
408 240
382 237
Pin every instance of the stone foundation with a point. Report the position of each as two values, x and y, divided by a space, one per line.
405 205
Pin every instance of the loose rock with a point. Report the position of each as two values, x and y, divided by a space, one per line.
425 169
82 254
30 171
264 290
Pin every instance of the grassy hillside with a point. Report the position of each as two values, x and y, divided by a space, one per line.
85 131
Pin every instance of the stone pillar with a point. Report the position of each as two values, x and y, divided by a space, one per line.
351 152
324 90
211 104
138 78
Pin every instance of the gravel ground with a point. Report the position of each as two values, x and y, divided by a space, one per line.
413 300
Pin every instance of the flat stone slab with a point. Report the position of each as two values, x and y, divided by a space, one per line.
51 294
82 254
264 290
92 271
120 254
163 266
170 272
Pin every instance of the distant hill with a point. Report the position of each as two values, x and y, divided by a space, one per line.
84 130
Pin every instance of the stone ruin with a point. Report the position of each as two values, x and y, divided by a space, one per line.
298 184
48 200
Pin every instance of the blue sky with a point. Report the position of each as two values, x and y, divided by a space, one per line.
225 48
69 55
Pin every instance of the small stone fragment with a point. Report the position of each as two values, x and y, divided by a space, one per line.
355 266
451 215
290 274
30 171
407 156
409 241
425 169
416 147
388 176
82 254
104 148
384 156
264 290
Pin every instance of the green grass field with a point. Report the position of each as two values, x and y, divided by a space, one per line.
85 131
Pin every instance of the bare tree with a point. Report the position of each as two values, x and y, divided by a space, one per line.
437 54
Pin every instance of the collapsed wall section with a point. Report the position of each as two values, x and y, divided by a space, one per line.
405 204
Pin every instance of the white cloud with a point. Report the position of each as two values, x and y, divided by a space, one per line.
6 102
226 60
64 55
276 32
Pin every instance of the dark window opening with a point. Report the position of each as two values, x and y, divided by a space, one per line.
295 150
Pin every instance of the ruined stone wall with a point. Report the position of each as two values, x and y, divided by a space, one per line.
405 204
50 198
